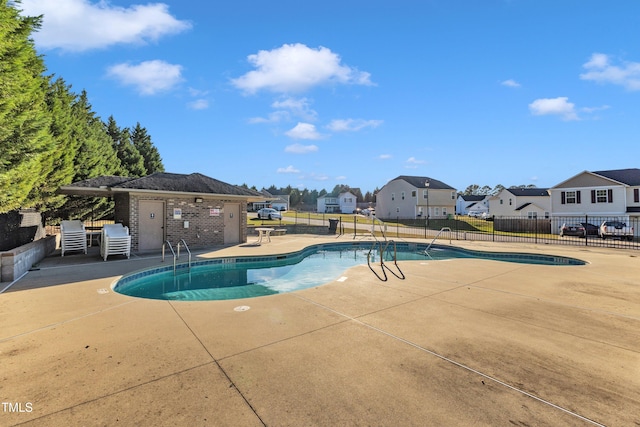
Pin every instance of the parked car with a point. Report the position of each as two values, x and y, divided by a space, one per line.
592 230
269 213
573 230
475 214
616 229
581 229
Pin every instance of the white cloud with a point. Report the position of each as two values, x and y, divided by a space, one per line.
297 107
300 149
510 83
80 25
288 169
304 131
595 109
296 68
600 70
352 124
413 163
384 156
554 106
148 77
199 104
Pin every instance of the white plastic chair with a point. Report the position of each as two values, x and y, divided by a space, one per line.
115 241
73 236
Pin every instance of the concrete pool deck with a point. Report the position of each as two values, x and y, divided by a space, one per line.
459 342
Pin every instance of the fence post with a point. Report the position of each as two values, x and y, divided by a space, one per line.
586 235
493 230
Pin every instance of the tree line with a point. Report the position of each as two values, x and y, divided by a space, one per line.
305 199
50 136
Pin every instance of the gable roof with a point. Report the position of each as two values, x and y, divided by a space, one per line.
419 181
624 176
528 192
159 181
472 198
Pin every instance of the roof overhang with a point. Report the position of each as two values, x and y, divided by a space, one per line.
104 191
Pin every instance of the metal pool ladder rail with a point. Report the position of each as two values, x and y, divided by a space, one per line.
188 251
166 242
383 266
434 239
176 256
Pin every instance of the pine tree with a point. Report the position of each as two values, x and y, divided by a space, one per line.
130 158
24 120
58 163
142 142
96 156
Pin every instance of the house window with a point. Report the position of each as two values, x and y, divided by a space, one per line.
510 202
413 193
453 195
437 212
570 197
532 215
602 196
501 201
444 211
425 194
393 196
636 195
403 195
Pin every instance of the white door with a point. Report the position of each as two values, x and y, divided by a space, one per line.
231 223
151 225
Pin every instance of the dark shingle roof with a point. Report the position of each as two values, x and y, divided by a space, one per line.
169 182
528 192
625 176
101 181
522 206
472 197
419 181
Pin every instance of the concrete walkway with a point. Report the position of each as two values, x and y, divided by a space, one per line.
458 343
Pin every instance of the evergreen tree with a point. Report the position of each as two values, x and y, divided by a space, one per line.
96 156
24 119
142 142
58 163
130 158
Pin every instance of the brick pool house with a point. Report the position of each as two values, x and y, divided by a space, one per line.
168 206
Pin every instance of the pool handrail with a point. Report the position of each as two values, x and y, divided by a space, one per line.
434 239
187 248
167 242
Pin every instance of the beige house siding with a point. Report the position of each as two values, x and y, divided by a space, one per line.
399 199
505 203
585 180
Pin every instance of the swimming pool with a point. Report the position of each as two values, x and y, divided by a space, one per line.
248 277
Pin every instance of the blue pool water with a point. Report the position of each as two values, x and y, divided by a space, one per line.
247 277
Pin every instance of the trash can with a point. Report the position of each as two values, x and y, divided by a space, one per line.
333 225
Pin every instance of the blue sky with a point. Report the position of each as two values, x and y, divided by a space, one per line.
318 93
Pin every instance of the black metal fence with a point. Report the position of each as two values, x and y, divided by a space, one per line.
458 227
518 229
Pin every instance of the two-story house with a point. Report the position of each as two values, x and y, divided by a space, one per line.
604 194
345 202
415 197
529 203
471 204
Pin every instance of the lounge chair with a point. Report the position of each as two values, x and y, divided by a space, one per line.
115 241
73 236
